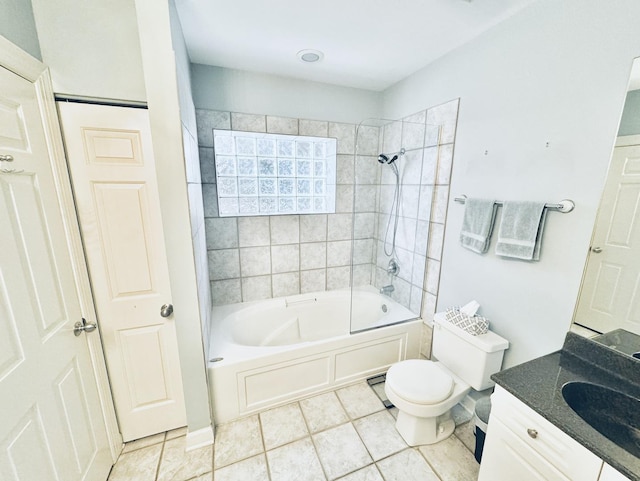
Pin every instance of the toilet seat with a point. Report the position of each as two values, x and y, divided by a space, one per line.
420 381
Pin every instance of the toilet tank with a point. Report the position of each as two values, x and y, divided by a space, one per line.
472 358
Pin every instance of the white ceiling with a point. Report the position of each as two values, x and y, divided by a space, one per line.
368 44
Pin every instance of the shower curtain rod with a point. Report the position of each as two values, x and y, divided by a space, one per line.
565 206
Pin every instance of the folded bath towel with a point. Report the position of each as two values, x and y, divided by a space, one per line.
521 228
477 224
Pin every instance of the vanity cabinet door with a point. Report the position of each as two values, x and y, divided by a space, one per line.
507 458
610 474
522 445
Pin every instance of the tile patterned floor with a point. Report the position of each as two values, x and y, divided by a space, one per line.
345 435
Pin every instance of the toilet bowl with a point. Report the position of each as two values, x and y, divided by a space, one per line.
424 391
424 408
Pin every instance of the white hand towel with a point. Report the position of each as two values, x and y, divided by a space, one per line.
477 224
521 228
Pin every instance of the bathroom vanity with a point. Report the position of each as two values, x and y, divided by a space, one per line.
540 428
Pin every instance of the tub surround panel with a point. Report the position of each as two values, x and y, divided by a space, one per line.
264 382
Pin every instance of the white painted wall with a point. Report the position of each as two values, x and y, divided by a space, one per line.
91 47
557 72
19 27
217 88
161 82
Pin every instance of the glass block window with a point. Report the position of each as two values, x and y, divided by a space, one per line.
271 174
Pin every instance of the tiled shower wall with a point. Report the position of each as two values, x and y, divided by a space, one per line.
254 258
428 138
260 257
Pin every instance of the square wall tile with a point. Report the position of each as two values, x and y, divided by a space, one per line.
313 255
426 202
282 125
313 228
256 288
338 253
255 261
392 137
226 292
365 198
422 237
429 165
411 165
362 251
436 241
285 229
412 135
207 166
222 232
439 213
224 264
339 226
253 231
313 280
428 306
248 122
286 284
415 303
285 258
344 199
367 169
445 162
345 169
346 135
338 278
362 275
313 128
432 279
206 121
367 140
210 200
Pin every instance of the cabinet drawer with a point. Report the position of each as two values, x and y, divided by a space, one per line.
560 450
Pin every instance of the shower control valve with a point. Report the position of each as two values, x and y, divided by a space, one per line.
393 268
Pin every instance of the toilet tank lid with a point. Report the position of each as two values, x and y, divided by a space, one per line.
488 342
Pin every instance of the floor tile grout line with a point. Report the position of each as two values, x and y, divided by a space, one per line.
160 458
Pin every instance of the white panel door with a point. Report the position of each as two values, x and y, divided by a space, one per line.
114 182
610 296
51 424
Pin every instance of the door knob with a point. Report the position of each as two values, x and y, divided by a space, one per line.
166 310
81 326
596 250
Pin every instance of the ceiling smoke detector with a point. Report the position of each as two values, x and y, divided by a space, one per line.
310 56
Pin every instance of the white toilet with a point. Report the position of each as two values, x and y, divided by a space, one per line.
425 391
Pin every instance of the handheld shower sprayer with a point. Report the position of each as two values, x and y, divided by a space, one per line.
390 158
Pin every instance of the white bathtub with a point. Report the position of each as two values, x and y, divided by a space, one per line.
272 352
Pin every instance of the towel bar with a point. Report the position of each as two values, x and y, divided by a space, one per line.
565 206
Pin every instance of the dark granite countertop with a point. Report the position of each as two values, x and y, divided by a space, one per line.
538 383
